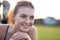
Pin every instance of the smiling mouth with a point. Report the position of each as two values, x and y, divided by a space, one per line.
26 27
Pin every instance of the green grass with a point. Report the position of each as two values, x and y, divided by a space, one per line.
48 32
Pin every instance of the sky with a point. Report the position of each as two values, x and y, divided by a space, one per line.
43 8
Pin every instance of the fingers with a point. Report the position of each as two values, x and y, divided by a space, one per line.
19 36
13 39
17 39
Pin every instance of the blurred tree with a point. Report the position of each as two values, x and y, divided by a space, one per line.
50 21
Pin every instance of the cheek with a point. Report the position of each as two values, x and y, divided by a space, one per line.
19 20
32 21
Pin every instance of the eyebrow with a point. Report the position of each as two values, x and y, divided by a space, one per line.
26 15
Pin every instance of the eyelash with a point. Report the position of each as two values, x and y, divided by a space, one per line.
31 18
23 16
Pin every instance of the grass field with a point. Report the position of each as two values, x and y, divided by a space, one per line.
48 32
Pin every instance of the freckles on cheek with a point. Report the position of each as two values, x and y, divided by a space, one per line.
19 20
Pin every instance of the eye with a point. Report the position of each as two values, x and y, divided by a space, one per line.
23 16
32 17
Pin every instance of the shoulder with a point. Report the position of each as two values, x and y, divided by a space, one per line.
3 30
33 28
33 33
3 25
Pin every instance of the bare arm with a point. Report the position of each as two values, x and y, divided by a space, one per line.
33 33
2 30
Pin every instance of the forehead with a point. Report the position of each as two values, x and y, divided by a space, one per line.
26 10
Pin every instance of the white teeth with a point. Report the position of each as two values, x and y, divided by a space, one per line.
26 27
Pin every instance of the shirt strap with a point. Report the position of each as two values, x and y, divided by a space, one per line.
6 33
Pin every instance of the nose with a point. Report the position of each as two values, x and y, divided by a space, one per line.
27 21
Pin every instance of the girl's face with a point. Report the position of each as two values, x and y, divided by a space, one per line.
24 18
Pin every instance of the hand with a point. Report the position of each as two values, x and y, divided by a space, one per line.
20 36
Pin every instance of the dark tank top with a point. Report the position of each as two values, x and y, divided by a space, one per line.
5 37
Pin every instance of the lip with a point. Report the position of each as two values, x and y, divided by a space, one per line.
26 27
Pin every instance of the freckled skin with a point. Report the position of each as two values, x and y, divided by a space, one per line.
24 18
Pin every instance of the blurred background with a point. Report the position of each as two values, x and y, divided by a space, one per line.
47 17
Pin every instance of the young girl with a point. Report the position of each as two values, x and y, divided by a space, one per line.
23 28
